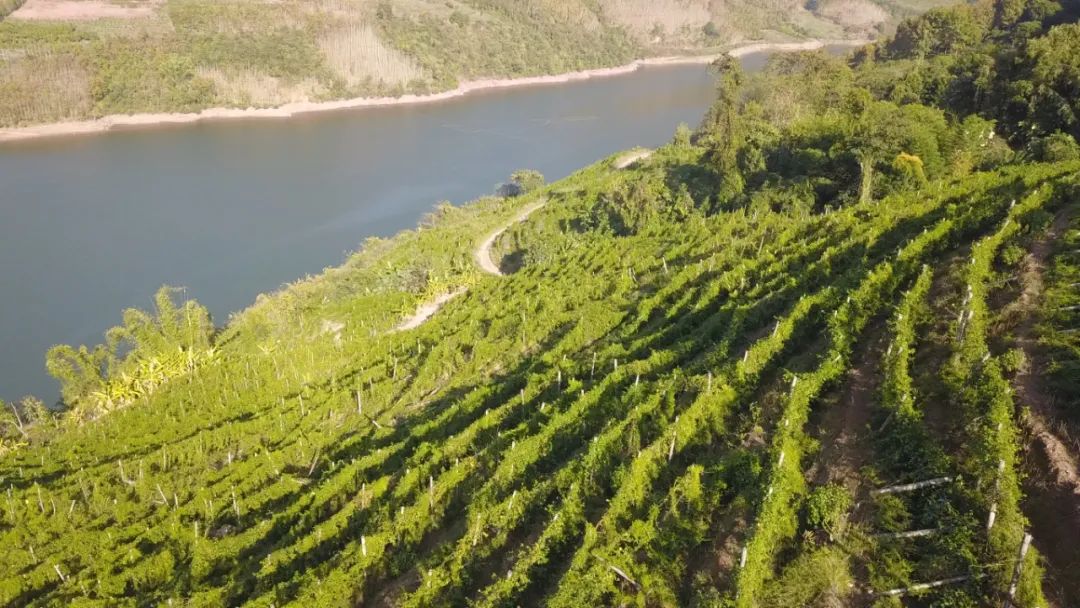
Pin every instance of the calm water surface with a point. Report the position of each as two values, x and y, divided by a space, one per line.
92 225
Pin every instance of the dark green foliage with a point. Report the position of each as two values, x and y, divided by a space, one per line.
282 53
939 31
1055 78
797 145
724 129
827 508
129 78
1013 61
514 41
1056 147
528 180
22 34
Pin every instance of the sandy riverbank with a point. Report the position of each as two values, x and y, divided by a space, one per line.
139 120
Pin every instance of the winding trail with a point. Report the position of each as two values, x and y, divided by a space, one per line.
482 254
426 309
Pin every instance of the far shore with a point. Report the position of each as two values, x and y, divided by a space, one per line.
107 123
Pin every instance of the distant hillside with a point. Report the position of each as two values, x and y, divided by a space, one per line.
74 59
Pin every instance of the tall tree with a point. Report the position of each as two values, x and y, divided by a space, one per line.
724 133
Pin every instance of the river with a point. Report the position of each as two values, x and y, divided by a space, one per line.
91 225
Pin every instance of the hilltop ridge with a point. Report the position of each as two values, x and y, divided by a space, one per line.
76 60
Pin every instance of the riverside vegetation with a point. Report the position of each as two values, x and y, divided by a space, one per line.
768 365
63 60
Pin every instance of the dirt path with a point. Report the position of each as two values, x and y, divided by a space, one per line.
632 157
1028 383
426 309
483 252
1052 483
843 425
483 257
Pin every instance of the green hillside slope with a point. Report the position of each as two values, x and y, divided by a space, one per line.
701 379
75 59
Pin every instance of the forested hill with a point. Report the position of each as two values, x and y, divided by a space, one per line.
66 60
821 351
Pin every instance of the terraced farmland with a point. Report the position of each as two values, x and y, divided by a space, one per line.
770 364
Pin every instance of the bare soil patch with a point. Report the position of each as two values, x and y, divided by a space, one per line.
843 421
1028 383
666 19
425 310
483 252
83 10
632 157
858 14
1052 481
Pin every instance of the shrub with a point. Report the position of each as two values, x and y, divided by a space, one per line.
827 507
1057 147
528 180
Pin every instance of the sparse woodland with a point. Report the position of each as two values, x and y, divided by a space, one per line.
772 364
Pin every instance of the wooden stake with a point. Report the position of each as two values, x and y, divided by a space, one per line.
1024 546
908 487
925 586
618 571
911 534
123 476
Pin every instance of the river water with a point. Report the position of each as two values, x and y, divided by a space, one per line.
90 225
